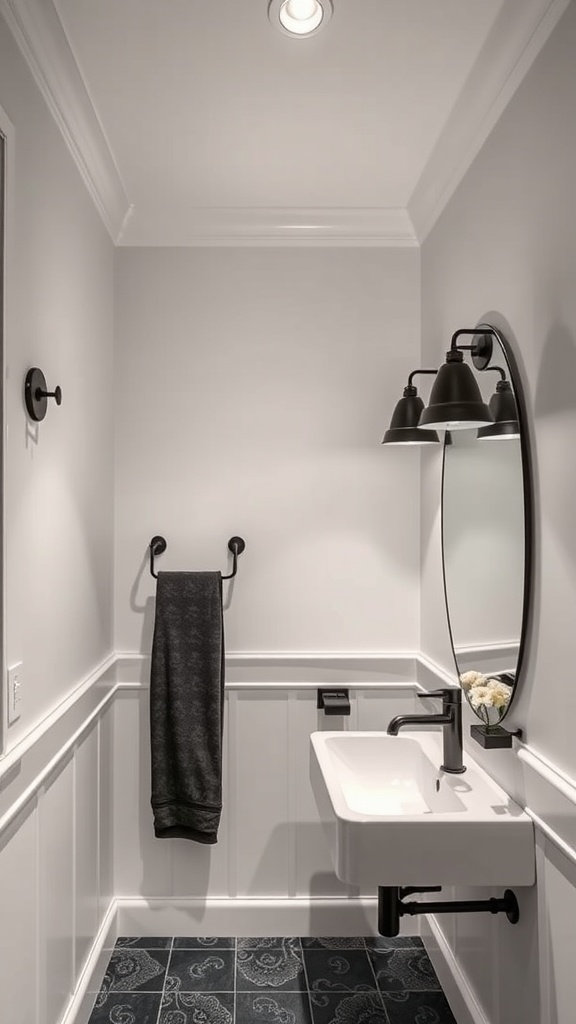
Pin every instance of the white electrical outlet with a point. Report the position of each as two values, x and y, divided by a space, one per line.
14 693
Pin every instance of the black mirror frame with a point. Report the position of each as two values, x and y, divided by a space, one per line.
529 510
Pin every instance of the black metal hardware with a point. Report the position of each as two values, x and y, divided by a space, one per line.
236 545
482 345
158 546
415 373
481 355
404 427
391 906
333 701
409 890
494 736
449 694
36 396
451 718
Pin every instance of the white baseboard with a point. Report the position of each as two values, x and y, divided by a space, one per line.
254 917
180 917
257 917
454 982
82 1002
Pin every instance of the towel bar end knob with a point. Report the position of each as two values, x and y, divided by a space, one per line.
237 543
157 547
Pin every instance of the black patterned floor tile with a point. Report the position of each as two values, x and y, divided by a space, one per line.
143 943
380 942
270 968
338 970
418 1008
334 942
341 1008
201 970
206 942
136 970
273 1008
126 1007
403 970
270 942
196 1007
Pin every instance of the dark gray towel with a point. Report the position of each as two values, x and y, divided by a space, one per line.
187 706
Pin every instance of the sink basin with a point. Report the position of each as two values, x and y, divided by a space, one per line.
392 817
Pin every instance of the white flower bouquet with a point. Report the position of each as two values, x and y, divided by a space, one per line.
488 695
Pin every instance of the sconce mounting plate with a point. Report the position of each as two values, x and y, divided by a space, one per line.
34 394
482 348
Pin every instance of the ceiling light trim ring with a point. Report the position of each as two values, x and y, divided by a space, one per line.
281 17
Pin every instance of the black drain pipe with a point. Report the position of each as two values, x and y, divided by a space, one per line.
391 906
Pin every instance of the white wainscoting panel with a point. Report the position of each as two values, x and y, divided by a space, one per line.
312 872
56 858
86 852
263 849
56 808
558 936
105 813
142 864
270 844
79 861
18 923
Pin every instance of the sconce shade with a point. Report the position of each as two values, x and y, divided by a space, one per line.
455 399
503 407
404 427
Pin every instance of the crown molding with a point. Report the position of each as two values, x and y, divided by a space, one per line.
516 38
514 42
42 40
276 226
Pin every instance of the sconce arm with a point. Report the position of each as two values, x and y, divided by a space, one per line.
470 330
415 372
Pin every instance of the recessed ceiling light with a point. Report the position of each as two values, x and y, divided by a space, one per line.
299 17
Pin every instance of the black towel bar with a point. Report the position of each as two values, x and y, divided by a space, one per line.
236 545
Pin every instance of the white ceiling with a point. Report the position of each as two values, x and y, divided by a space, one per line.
206 108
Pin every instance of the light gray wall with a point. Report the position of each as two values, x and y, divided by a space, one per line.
505 251
59 477
253 390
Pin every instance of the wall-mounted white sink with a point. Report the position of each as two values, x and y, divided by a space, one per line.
392 817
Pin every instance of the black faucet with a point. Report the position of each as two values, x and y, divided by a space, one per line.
451 718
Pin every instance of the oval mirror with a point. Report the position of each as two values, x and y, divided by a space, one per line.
487 535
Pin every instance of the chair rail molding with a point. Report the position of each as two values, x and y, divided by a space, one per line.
40 35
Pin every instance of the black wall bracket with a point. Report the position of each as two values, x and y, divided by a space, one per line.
494 736
391 906
333 700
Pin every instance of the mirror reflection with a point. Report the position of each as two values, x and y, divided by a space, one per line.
484 544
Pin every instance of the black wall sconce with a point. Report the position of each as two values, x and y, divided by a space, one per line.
36 396
503 407
456 402
404 427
